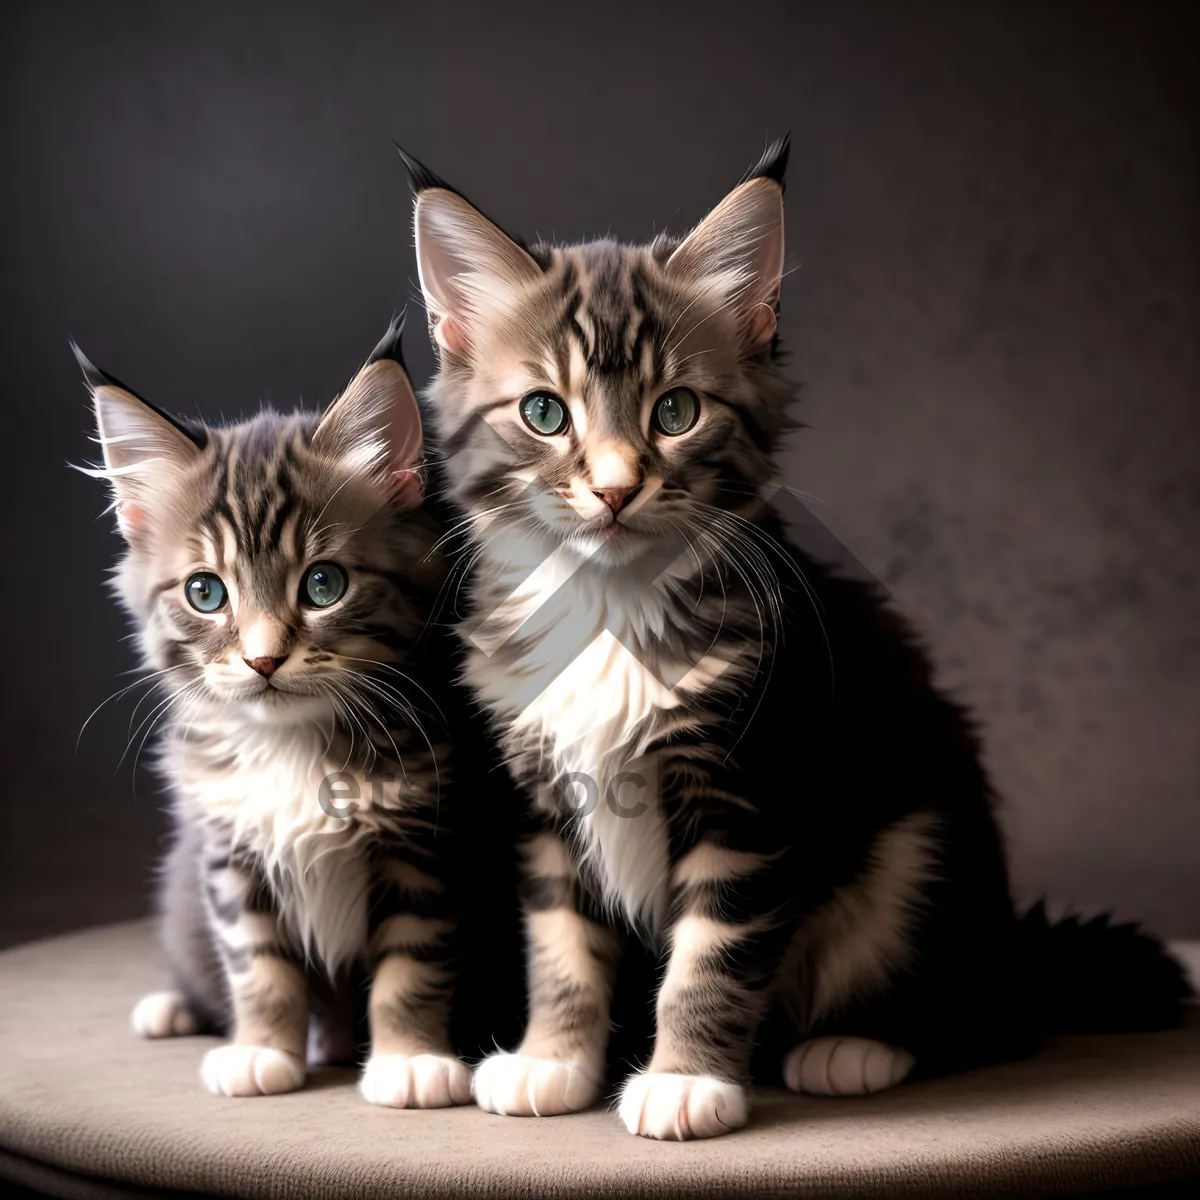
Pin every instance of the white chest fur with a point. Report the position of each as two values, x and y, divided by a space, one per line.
588 716
591 703
264 782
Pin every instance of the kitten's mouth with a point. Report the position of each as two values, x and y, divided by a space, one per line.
607 526
607 534
613 533
268 692
273 704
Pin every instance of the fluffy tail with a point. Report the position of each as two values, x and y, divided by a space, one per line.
1097 977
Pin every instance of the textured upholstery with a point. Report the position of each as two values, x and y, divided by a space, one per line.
86 1109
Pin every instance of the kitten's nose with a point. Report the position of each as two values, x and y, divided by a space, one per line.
617 498
265 666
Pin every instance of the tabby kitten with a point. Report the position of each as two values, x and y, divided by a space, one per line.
281 574
727 747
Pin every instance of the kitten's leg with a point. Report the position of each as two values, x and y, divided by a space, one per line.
197 1001
876 955
266 985
572 960
731 926
411 1063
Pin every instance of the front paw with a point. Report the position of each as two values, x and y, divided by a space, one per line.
415 1081
163 1014
516 1085
679 1107
251 1071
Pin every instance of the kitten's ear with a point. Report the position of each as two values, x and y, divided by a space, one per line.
470 269
374 426
144 448
738 249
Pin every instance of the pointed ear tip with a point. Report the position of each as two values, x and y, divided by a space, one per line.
106 389
391 346
773 163
93 376
420 177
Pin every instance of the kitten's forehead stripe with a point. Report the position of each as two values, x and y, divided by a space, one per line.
226 522
250 508
277 515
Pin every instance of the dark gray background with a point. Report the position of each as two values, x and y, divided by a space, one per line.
994 308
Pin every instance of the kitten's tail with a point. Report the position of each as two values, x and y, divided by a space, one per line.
1098 977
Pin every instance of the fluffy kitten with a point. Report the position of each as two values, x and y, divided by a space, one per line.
281 574
726 747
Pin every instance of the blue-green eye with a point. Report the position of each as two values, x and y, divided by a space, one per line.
323 584
205 592
544 413
676 411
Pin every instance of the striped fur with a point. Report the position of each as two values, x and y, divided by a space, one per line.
313 805
726 747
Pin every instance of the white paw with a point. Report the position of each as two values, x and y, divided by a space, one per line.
251 1071
516 1085
163 1014
833 1066
679 1107
416 1081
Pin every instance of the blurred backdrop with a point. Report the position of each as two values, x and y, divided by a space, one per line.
992 307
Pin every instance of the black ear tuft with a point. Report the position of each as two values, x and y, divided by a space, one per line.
96 378
773 163
390 347
421 177
93 376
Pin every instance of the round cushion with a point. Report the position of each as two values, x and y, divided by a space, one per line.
89 1109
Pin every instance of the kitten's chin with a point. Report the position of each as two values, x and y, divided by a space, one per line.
613 545
620 545
275 707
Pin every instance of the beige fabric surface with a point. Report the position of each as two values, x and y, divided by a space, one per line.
80 1093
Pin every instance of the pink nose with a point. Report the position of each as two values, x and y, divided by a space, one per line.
265 666
616 498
